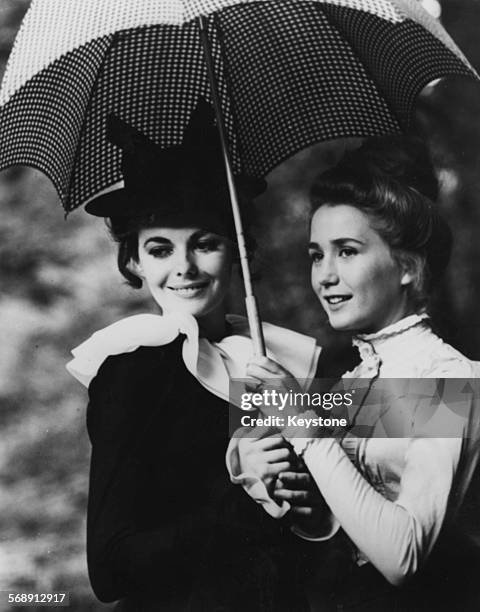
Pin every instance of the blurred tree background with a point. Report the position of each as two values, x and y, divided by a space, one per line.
59 284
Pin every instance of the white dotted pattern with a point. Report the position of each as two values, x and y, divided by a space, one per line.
291 73
68 24
156 93
52 28
44 130
382 8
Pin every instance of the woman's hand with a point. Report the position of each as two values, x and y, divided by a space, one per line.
268 373
308 508
265 457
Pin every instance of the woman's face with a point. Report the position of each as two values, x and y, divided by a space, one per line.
186 269
359 284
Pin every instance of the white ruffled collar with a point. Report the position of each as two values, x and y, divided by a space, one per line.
212 363
380 346
395 329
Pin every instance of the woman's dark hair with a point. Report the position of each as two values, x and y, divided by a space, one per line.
392 180
125 230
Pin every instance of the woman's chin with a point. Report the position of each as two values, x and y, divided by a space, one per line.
343 323
180 307
340 327
194 308
337 322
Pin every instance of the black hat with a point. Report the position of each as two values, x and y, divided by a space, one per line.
182 185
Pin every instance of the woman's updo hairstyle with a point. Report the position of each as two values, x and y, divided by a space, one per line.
392 180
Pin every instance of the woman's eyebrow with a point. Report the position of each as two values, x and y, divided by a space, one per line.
342 241
199 234
157 240
336 242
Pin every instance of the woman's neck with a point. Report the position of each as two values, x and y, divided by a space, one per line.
213 325
402 310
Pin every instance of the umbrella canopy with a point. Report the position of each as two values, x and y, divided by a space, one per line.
289 72
283 74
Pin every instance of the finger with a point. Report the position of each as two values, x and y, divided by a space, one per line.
305 511
296 497
257 372
274 456
263 432
253 385
267 364
296 480
268 369
274 469
270 442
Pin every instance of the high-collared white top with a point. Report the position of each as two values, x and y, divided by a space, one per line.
392 495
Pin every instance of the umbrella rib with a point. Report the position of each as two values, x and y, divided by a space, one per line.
114 37
333 23
233 109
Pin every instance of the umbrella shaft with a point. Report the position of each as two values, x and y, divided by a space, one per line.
255 324
250 301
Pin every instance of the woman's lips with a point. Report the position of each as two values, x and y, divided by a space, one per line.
190 290
336 301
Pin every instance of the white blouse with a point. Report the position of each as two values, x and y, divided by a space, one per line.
392 495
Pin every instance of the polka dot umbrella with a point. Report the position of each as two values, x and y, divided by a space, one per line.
288 73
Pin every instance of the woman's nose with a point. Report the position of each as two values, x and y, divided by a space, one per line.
185 264
328 274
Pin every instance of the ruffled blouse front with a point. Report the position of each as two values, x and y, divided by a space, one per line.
408 349
405 350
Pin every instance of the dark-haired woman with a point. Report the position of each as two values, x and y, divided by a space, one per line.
166 529
378 247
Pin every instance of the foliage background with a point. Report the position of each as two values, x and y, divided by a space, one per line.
59 284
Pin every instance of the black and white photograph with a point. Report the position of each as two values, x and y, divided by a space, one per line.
240 278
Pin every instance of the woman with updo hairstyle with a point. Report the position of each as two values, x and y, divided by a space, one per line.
393 182
166 528
398 478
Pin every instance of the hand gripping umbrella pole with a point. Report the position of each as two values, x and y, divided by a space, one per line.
250 299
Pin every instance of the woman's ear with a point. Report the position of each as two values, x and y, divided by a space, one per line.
407 278
411 269
135 267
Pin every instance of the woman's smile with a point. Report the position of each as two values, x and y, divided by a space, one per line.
189 290
334 302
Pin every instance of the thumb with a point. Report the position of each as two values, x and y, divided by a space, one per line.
263 431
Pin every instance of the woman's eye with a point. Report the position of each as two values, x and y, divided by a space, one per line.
347 252
315 256
208 245
161 252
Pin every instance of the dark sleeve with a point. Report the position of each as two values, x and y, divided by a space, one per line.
126 555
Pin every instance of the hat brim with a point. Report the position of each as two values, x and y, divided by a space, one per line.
112 204
120 203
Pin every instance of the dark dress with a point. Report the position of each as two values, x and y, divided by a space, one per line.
166 529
